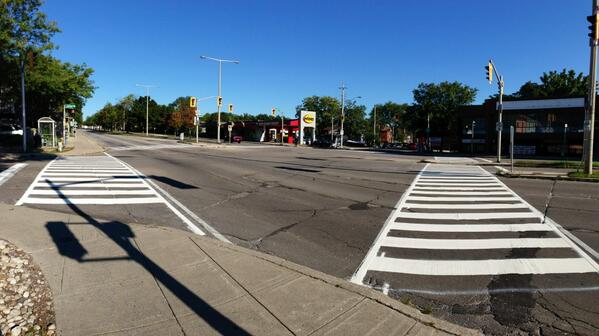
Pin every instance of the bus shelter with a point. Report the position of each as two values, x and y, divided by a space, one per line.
46 128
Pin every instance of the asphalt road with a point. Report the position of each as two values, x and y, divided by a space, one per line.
325 209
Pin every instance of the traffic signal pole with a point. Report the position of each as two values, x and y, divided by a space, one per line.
589 120
491 69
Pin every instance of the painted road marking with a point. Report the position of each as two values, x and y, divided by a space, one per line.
193 227
459 207
6 174
473 244
92 180
468 227
149 147
482 267
50 184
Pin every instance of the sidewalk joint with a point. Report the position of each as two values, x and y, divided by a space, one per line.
242 286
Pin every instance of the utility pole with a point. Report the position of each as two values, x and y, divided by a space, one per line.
332 130
374 127
342 112
23 121
492 69
282 127
147 102
220 69
589 118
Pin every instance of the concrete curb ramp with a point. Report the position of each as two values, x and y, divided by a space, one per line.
127 279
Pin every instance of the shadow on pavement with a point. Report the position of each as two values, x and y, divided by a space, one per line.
69 246
172 183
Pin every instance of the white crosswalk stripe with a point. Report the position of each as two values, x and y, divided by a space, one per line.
149 147
100 180
460 209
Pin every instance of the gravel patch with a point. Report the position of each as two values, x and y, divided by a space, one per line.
25 298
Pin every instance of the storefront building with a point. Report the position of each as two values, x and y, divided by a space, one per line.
545 127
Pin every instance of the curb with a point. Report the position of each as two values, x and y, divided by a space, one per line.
505 173
364 291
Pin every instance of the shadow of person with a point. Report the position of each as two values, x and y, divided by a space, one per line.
120 233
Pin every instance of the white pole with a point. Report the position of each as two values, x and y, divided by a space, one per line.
374 127
512 146
220 65
342 113
64 136
23 121
147 109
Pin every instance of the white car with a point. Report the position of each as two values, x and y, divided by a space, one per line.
10 130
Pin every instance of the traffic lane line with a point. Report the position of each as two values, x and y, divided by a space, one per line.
165 195
6 174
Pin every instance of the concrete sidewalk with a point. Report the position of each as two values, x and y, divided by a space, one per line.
129 279
82 144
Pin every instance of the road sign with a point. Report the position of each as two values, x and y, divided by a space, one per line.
499 126
69 106
193 102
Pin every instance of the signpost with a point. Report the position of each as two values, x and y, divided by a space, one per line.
512 146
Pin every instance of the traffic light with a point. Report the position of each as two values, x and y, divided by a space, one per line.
489 69
193 102
274 111
219 101
594 34
230 108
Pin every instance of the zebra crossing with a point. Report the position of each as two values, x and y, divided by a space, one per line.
459 222
149 147
100 180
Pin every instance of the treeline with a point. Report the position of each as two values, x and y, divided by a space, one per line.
434 103
129 115
26 44
435 106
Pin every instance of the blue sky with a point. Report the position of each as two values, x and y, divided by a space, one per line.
293 49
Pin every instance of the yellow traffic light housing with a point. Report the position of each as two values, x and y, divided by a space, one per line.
274 111
219 101
489 69
230 108
193 102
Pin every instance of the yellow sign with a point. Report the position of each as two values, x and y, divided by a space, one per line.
309 118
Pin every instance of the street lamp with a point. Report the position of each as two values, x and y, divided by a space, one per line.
147 100
341 132
220 64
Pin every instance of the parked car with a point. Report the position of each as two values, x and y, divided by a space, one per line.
10 130
237 138
322 143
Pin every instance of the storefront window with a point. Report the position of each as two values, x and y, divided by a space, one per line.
525 125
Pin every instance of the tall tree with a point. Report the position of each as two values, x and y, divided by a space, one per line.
553 84
326 107
389 114
25 39
440 103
